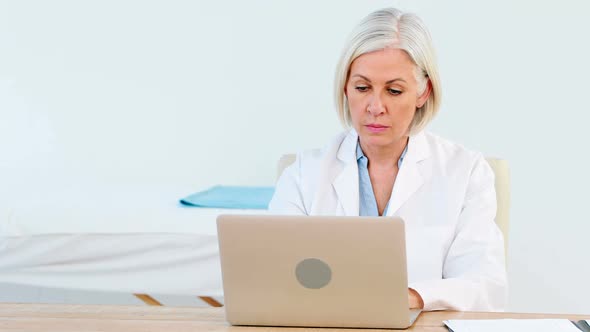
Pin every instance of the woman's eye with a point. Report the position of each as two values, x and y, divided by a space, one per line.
394 92
362 88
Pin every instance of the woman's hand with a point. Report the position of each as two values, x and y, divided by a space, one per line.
416 301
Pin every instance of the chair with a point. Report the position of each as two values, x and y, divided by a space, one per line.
502 175
502 185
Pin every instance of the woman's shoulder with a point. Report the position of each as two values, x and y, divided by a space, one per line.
329 150
455 158
310 164
448 149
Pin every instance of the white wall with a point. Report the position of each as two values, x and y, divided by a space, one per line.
194 93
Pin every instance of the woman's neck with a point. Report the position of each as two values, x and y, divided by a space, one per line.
385 156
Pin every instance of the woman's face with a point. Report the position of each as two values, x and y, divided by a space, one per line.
382 94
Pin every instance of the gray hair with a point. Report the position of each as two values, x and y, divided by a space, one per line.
392 28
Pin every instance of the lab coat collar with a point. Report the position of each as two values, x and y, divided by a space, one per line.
346 184
412 174
410 177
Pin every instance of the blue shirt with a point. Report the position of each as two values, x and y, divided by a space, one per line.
367 201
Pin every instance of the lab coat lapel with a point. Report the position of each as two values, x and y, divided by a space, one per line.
346 184
412 173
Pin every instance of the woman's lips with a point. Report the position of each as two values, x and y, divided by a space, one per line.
376 128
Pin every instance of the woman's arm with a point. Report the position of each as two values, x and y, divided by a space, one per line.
287 198
474 272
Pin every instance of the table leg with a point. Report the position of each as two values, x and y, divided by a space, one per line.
211 301
148 299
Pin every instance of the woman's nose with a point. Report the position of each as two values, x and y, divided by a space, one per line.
376 106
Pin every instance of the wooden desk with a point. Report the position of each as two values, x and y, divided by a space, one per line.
65 318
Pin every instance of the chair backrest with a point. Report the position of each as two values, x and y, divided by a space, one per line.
502 175
501 172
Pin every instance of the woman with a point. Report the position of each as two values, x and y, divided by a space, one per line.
388 90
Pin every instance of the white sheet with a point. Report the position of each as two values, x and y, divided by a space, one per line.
512 325
124 241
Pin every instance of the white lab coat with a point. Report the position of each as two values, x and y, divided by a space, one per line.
443 192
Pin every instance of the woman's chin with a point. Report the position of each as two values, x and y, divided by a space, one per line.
377 140
380 139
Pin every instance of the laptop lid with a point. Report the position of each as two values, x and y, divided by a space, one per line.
315 271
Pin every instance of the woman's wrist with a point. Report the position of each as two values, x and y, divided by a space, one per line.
415 299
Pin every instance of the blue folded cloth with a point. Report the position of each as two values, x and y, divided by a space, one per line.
231 197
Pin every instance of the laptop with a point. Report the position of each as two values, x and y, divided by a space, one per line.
314 271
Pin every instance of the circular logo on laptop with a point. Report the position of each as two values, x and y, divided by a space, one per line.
313 273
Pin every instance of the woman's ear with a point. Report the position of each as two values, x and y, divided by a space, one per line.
424 96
